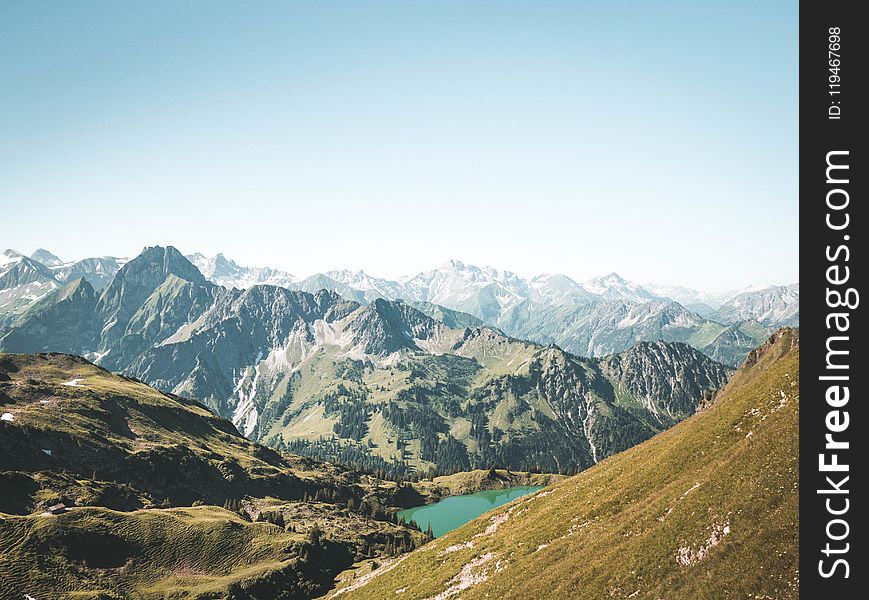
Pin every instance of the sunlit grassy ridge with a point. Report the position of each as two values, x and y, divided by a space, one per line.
194 552
149 553
707 509
73 422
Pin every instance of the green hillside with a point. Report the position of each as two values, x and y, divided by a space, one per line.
165 499
707 509
78 431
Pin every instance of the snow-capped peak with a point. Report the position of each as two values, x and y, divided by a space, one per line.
614 286
49 259
8 257
774 305
226 272
684 295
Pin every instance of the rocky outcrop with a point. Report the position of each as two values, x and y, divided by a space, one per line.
669 378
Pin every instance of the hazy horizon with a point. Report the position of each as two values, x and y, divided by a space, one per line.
421 269
583 139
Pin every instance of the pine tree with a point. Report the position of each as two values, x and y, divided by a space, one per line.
315 535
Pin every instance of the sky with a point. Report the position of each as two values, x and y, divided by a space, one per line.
656 140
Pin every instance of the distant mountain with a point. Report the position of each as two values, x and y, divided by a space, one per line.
97 271
613 287
60 321
47 258
736 341
371 287
23 281
383 385
581 317
603 315
708 509
226 272
601 328
700 302
558 290
774 307
318 282
453 319
483 292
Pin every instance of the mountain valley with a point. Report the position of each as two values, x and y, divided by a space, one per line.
707 509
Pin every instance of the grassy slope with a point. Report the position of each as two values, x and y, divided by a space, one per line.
707 509
189 552
107 428
149 552
117 443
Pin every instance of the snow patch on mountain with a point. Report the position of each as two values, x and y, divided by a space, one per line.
773 306
685 296
614 287
47 258
228 273
8 257
246 415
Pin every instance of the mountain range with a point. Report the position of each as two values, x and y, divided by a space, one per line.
385 384
601 316
25 280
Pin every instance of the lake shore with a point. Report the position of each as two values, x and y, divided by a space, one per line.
428 491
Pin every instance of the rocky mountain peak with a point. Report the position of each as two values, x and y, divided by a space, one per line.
136 281
227 272
672 371
47 258
169 260
772 306
18 270
613 286
80 286
224 266
384 327
9 255
613 278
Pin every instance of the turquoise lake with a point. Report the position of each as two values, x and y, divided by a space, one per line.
455 511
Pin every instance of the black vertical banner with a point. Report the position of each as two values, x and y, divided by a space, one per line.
833 419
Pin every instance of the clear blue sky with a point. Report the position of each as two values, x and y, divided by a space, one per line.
655 139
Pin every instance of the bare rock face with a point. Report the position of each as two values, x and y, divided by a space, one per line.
777 306
670 378
385 327
135 282
60 322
